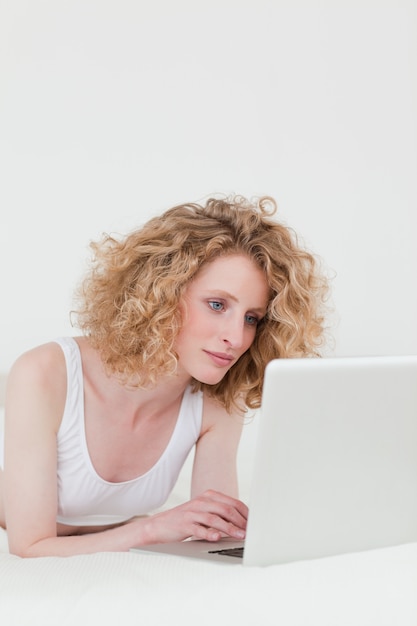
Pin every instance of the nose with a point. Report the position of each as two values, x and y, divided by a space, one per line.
233 332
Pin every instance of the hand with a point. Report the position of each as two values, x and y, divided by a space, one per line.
208 516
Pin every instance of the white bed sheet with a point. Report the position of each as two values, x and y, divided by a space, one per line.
375 588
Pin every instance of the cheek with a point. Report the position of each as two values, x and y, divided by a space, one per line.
250 338
194 325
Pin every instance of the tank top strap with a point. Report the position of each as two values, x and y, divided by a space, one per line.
74 404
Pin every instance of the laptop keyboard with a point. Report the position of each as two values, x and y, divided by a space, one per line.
236 552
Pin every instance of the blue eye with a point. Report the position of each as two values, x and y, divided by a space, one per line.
215 305
251 320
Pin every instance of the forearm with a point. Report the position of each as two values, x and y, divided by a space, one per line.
208 516
116 539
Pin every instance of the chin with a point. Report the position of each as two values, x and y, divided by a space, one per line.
209 378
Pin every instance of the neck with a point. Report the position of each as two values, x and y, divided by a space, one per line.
127 398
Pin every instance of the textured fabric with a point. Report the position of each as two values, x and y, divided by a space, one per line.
84 498
375 588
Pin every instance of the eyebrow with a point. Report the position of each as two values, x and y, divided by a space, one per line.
226 294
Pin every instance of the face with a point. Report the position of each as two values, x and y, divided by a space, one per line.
221 310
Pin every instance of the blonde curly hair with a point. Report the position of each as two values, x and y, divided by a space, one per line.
129 300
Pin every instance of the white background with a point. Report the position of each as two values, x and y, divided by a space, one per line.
112 111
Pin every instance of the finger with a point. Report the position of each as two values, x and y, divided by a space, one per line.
228 500
218 526
224 510
206 534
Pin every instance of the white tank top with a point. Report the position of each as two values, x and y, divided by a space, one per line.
84 498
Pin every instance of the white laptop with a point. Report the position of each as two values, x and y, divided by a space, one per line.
335 467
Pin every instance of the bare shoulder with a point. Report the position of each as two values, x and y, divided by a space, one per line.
216 416
38 378
44 364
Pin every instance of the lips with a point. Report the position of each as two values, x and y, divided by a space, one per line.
222 359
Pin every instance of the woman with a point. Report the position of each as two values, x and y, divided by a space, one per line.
179 320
